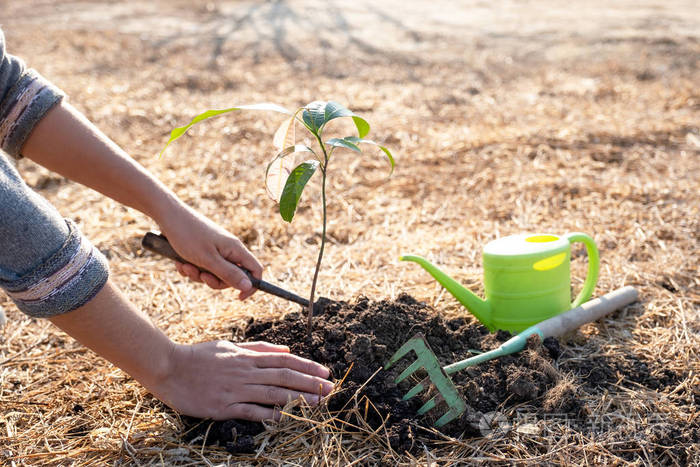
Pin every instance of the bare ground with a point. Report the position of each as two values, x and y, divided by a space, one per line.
525 116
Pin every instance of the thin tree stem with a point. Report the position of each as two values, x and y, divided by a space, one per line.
310 313
320 257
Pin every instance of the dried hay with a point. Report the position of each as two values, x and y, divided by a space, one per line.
592 129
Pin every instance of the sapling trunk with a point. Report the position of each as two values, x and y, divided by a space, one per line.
310 313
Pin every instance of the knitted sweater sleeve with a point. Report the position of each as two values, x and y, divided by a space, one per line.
25 97
47 267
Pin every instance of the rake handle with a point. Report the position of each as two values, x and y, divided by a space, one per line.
587 312
160 245
555 326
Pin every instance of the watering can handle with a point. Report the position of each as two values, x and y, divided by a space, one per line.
587 313
593 266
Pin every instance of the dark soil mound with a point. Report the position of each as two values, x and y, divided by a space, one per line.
365 335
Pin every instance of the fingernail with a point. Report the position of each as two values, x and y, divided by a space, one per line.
246 284
325 372
328 388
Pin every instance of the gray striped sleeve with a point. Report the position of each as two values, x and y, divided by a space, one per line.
67 280
25 97
47 267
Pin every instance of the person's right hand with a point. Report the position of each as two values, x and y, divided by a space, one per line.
209 246
222 380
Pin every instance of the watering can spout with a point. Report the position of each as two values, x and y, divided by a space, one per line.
476 306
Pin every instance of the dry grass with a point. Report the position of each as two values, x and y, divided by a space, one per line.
522 119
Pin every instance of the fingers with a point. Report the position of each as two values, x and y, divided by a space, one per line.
244 295
252 412
212 281
236 252
193 273
188 270
294 362
273 395
261 394
263 347
294 380
185 270
232 275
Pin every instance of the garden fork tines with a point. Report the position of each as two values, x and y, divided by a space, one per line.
427 360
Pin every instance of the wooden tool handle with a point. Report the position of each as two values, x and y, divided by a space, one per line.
160 245
588 312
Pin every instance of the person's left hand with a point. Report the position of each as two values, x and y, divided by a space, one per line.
208 246
251 381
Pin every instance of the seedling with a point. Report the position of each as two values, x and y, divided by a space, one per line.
284 179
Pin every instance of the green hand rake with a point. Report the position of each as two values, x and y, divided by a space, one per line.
439 376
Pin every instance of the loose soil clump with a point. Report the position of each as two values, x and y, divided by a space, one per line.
356 340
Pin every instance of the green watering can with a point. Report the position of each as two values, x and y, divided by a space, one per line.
527 279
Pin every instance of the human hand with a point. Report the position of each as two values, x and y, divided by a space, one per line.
222 380
208 246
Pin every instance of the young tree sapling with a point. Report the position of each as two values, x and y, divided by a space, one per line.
284 180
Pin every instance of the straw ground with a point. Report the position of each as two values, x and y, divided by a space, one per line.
521 117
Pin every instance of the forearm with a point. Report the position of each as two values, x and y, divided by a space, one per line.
113 328
65 142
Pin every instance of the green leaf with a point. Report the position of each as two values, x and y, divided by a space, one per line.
177 132
343 143
318 113
295 185
362 125
280 167
356 140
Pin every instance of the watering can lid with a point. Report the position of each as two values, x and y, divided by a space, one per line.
526 244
